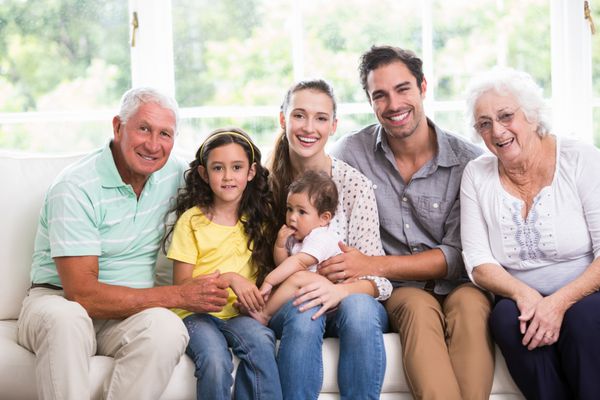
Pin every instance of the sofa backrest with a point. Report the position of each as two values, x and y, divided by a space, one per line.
24 180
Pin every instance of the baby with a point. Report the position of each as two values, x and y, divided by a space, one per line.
303 242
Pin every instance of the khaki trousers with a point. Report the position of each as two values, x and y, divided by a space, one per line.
447 348
146 346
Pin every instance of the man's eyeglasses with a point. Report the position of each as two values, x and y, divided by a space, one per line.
505 118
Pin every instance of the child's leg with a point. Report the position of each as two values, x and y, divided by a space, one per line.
209 351
257 376
284 293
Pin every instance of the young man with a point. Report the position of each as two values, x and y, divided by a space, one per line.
416 170
93 265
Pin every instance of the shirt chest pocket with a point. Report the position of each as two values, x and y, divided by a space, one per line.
114 216
433 212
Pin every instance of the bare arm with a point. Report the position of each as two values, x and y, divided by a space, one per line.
279 254
298 262
497 280
79 277
351 263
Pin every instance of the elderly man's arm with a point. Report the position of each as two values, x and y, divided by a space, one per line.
79 277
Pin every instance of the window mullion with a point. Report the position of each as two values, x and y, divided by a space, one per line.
427 56
152 56
571 70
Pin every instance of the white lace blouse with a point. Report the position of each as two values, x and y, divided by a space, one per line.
560 236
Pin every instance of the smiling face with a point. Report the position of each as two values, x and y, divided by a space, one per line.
511 141
308 122
396 99
302 216
142 144
227 172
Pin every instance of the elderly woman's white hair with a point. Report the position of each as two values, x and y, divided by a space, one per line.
507 81
134 98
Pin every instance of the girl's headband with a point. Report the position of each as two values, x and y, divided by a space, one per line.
231 133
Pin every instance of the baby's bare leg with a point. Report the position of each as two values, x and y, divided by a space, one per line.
284 293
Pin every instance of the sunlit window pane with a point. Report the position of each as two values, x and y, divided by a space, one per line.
596 125
231 52
472 36
595 9
55 137
337 32
194 130
61 55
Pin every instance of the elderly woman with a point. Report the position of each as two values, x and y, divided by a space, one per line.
530 215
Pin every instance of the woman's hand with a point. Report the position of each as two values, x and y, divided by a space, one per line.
526 302
545 321
321 293
247 293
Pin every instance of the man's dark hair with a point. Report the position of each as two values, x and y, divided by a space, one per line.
378 56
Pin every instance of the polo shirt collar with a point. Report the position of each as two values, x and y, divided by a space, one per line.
446 156
107 170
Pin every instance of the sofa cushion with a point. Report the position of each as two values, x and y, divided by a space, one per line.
24 181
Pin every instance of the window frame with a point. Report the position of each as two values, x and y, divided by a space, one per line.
152 64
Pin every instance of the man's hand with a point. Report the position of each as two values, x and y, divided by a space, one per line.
205 293
350 264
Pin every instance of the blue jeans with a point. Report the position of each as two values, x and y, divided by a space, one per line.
359 322
251 342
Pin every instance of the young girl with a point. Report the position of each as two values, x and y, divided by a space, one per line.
303 242
224 228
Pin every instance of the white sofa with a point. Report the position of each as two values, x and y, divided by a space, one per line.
24 180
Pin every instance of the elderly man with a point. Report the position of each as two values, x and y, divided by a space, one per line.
96 246
416 168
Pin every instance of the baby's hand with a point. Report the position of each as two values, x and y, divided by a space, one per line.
284 233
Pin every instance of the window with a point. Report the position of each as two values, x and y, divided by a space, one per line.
64 64
595 12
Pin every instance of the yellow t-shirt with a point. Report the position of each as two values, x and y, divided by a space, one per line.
209 246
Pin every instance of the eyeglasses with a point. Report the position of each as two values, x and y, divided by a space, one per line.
505 118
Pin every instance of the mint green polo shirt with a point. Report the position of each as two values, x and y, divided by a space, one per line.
90 211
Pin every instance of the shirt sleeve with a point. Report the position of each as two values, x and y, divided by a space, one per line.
588 188
321 243
451 244
474 231
183 246
72 222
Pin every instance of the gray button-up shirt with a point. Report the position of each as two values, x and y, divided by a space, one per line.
424 213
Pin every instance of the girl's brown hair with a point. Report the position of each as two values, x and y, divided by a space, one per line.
256 206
